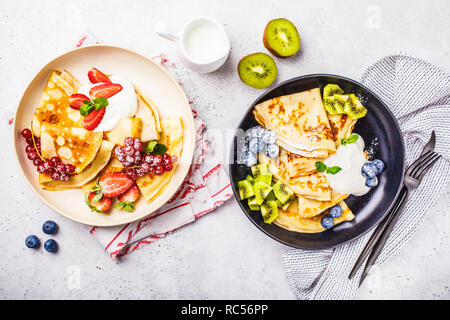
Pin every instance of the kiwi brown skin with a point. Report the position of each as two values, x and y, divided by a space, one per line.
268 47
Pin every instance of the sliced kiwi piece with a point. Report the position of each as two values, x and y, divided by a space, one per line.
261 190
270 197
269 211
265 177
245 189
250 179
330 106
252 204
330 90
282 192
339 102
259 169
281 38
257 70
354 108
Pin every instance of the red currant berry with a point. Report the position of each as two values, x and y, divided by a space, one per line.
148 158
37 161
119 151
28 149
55 175
69 168
26 133
129 141
129 151
145 166
157 160
64 177
140 172
137 144
131 174
49 164
41 168
159 170
174 159
61 168
55 161
168 167
29 141
32 155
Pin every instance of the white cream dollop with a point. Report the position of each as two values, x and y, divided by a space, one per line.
121 105
350 158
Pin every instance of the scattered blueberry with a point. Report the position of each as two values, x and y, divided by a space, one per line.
50 227
256 132
369 170
32 241
51 246
256 145
335 211
379 164
272 151
372 182
248 158
327 222
269 136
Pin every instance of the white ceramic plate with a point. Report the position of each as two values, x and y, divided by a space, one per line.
153 80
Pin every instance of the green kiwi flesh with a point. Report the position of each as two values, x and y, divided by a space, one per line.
282 192
354 108
269 211
257 70
245 189
261 191
265 177
281 38
259 169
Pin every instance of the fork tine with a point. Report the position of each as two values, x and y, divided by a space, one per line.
424 170
414 165
423 164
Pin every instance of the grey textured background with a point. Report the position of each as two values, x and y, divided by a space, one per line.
222 255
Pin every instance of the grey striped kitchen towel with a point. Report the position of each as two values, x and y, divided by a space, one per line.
418 93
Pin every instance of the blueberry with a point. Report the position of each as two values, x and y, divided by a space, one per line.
248 158
256 132
335 211
369 170
379 164
372 182
327 222
50 227
51 246
256 145
269 136
272 151
32 241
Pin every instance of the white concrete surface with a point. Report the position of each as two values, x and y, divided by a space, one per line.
222 255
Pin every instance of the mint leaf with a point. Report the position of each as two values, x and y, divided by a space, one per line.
86 108
320 166
125 205
150 146
159 149
100 103
119 205
333 170
352 139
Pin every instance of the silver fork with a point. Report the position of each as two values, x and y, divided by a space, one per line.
413 176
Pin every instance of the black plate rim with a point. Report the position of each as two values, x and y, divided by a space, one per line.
232 156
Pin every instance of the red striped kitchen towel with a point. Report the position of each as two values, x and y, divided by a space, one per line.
205 188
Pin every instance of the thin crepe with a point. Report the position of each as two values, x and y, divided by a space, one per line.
80 179
172 137
290 220
300 122
342 126
308 208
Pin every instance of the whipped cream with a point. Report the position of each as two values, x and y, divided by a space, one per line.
121 105
350 158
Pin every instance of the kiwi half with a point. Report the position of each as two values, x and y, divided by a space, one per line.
354 108
257 70
281 38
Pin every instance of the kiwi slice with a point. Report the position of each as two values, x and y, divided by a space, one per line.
270 197
354 108
281 38
261 190
282 192
250 179
245 189
339 102
269 211
259 169
252 204
257 70
330 90
330 106
265 177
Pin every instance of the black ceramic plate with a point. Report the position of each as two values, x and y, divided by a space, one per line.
378 128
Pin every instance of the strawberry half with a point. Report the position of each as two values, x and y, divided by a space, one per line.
93 119
105 90
131 195
103 204
114 184
96 76
77 100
